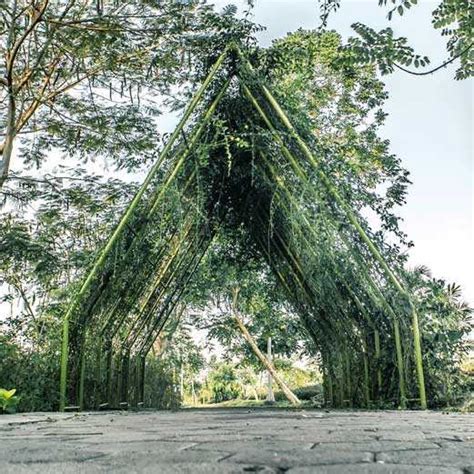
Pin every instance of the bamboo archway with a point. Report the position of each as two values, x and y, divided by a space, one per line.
115 316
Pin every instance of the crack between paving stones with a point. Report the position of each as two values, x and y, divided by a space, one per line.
66 435
227 456
432 466
105 442
35 422
53 461
254 468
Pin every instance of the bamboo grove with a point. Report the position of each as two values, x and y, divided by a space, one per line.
239 159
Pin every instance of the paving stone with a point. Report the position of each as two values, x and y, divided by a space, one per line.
177 468
286 460
456 457
378 446
238 441
376 468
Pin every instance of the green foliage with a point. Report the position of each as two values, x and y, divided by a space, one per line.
382 49
452 17
446 325
87 81
41 253
297 377
310 393
225 266
8 400
30 371
161 385
223 383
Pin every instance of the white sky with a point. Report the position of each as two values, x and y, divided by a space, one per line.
429 127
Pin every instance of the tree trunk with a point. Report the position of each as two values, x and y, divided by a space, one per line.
193 392
6 148
292 398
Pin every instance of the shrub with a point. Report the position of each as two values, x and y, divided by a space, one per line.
224 384
160 387
33 372
8 400
310 393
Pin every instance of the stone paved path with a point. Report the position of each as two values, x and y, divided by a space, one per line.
238 441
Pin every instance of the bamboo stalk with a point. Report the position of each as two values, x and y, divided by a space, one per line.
353 220
348 376
180 162
142 378
109 375
81 380
297 273
121 225
181 288
119 302
83 362
158 281
131 339
305 240
330 387
377 360
341 380
289 292
366 376
196 136
396 327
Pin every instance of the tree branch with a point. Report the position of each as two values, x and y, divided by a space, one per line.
16 47
425 73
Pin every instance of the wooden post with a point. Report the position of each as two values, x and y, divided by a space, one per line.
270 394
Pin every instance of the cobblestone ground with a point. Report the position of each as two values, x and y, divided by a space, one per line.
238 441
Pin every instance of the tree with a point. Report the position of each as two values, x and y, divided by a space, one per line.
79 77
447 322
266 362
41 254
233 287
228 266
223 383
